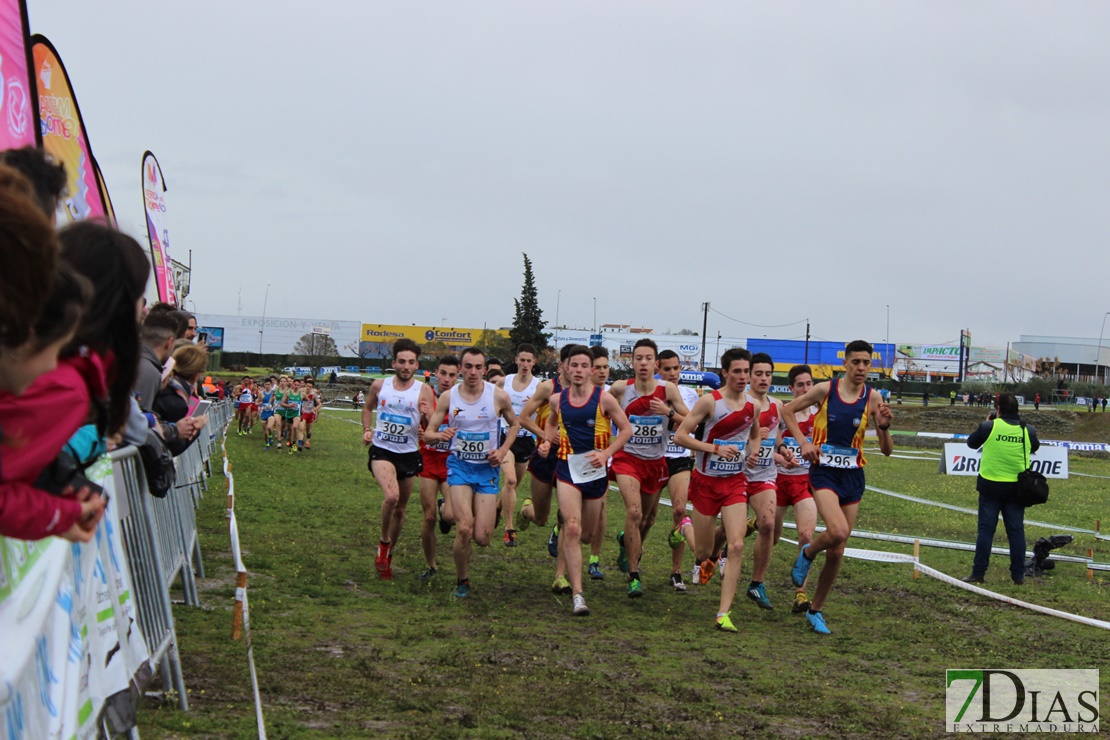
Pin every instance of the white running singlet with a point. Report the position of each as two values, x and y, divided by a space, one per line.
519 398
476 425
725 427
398 416
689 397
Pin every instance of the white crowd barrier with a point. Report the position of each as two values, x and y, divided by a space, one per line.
83 626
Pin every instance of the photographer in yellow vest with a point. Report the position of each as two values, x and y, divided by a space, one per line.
1006 448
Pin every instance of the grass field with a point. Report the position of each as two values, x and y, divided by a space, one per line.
342 654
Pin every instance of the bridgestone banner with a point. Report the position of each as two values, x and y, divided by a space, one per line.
959 459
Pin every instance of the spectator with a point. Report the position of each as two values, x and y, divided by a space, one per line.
158 334
28 253
1104 404
1006 449
47 178
179 397
190 332
1037 402
180 319
93 381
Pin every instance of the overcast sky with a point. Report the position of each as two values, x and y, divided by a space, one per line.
389 161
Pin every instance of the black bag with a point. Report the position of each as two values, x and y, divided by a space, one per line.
158 464
1032 487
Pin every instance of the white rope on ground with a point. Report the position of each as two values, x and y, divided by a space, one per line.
896 557
966 510
1089 475
906 539
242 610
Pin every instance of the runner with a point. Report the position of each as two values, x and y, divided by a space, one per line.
266 405
520 386
315 402
290 409
472 411
793 485
394 457
433 478
763 474
836 456
725 422
244 397
639 467
680 462
582 412
601 380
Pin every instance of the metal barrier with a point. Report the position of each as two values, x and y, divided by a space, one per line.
161 542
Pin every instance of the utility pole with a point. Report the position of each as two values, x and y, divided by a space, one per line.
262 328
805 361
704 325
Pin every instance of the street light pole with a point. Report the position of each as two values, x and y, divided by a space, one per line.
558 297
886 340
1098 352
262 328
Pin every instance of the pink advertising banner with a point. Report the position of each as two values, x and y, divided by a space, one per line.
64 136
154 201
17 112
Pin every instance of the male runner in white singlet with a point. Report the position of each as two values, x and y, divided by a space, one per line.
520 386
394 456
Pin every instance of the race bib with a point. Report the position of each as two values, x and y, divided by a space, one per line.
444 445
766 454
647 431
844 458
471 446
674 450
717 465
796 450
393 428
582 469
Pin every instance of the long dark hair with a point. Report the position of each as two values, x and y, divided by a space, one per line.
118 269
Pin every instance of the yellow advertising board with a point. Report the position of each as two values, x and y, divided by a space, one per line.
376 338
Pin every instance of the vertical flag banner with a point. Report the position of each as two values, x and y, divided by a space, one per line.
109 210
154 199
17 103
64 136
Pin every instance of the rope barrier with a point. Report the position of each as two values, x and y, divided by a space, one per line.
241 623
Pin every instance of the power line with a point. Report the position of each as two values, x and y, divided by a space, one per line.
759 326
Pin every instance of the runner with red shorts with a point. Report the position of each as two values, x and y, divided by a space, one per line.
763 474
793 487
433 478
725 422
639 467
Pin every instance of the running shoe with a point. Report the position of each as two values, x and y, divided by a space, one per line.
462 590
580 609
510 538
695 575
801 603
521 522
705 572
721 565
724 623
561 586
801 568
622 555
675 539
308 444
677 584
428 574
758 594
817 622
381 560
595 571
635 589
553 542
444 527
751 526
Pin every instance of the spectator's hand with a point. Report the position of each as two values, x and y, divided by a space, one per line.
92 509
115 441
190 426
